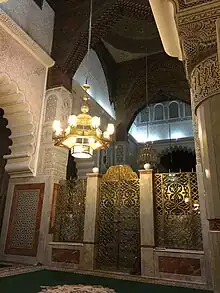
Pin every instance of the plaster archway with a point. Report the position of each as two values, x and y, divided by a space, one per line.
20 121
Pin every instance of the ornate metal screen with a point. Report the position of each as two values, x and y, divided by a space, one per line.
70 212
177 213
118 230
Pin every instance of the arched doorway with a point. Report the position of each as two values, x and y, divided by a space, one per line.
178 159
4 150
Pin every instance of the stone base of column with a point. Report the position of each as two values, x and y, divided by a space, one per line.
147 262
214 243
88 262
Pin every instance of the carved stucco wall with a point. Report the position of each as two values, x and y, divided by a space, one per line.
36 22
30 77
57 106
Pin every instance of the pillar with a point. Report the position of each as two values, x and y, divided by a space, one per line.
198 37
92 201
205 81
202 201
147 223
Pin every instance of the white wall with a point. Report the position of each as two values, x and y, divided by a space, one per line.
160 131
153 130
92 67
36 22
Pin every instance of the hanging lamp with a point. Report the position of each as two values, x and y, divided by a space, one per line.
83 135
148 155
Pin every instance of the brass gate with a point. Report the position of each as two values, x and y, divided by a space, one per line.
118 225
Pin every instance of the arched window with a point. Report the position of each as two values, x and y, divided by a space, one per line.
173 110
158 112
145 115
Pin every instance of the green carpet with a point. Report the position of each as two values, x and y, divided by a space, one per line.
31 282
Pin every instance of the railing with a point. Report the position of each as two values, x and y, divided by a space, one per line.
70 212
177 211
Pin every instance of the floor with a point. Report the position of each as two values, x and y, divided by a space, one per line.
32 281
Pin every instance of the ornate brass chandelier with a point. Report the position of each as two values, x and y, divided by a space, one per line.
148 155
83 135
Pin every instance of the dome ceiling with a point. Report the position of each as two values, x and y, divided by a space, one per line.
123 33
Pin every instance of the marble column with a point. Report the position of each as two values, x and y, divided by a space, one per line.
147 223
92 201
205 83
202 200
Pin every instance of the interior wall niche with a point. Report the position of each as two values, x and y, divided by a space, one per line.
4 150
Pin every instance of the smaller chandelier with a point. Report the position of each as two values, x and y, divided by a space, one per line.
148 155
83 135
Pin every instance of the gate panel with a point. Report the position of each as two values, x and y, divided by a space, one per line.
70 212
177 212
129 236
107 226
118 230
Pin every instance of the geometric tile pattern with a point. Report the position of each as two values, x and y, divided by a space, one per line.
24 224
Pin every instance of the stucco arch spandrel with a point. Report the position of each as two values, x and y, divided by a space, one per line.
20 122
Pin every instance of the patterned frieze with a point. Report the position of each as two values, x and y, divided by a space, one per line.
205 80
197 32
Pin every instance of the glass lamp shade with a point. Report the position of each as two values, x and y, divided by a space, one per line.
56 127
72 120
82 151
111 129
95 122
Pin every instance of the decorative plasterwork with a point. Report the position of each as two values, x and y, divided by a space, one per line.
205 80
69 51
17 33
188 4
58 105
20 122
197 30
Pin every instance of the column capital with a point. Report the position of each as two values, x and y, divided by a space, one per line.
205 80
198 34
